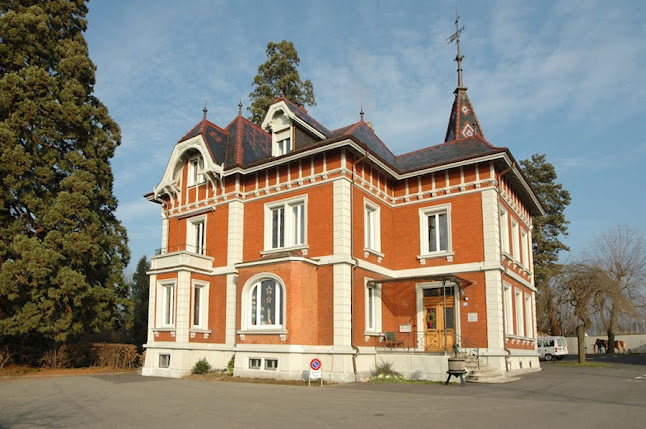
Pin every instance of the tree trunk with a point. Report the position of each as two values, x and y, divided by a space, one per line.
611 342
580 335
612 321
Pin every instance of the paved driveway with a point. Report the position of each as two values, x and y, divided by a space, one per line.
559 396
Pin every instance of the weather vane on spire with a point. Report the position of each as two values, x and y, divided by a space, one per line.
455 37
204 110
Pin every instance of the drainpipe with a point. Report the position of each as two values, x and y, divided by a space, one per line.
354 267
502 286
504 323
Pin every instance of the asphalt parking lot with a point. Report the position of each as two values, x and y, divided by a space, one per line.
561 395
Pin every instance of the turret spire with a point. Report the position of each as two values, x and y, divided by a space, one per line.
463 122
455 37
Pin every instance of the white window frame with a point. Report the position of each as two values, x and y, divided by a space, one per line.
515 240
283 146
372 226
195 165
372 299
520 316
424 227
529 325
196 235
247 310
294 233
524 249
282 142
504 231
166 291
508 307
200 289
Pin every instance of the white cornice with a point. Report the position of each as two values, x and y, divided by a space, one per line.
168 183
282 106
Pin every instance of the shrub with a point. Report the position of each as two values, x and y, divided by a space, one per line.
118 356
385 368
202 366
5 356
231 364
55 358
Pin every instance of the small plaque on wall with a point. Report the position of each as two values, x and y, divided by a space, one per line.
405 328
472 317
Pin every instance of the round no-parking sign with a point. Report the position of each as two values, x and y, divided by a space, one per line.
315 370
315 364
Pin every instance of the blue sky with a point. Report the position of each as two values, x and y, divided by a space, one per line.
564 78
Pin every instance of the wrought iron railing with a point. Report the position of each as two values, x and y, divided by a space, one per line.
469 350
184 248
430 343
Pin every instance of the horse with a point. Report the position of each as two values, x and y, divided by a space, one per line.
600 344
620 346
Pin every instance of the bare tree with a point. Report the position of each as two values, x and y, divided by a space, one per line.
578 288
621 253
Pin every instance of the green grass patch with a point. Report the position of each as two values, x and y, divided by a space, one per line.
586 364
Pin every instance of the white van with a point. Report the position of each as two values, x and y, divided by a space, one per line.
551 348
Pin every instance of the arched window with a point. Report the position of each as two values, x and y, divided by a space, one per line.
266 304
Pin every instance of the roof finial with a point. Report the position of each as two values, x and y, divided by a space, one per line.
204 110
361 113
455 37
240 108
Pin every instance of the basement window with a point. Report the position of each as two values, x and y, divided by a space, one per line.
271 364
164 361
254 363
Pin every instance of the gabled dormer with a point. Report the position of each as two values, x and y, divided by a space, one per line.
201 153
291 127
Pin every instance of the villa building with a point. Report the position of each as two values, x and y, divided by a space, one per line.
289 241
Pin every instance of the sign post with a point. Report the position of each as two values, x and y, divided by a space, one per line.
315 371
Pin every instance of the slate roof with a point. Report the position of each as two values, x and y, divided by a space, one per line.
463 122
362 132
248 143
452 151
242 143
302 114
216 138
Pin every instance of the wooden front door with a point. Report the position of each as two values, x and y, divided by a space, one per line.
439 317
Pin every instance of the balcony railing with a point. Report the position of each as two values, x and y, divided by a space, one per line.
184 248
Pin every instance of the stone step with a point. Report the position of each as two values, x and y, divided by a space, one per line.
491 379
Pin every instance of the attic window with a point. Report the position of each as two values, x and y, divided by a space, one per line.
195 165
282 133
283 146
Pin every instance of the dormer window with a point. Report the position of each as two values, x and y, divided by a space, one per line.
283 147
281 133
195 165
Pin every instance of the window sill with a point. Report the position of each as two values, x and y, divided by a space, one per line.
372 334
168 329
515 339
282 332
379 255
195 331
303 248
424 257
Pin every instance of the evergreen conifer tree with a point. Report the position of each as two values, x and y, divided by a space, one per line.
140 293
276 77
546 235
62 250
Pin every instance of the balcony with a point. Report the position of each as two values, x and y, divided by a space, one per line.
182 256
